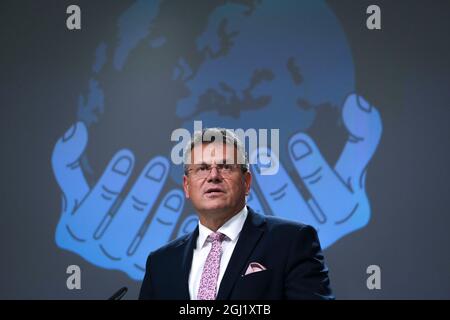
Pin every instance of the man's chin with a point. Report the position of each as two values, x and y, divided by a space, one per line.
214 205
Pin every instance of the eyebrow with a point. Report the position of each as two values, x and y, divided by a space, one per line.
225 161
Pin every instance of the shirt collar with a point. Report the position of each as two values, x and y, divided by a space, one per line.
231 228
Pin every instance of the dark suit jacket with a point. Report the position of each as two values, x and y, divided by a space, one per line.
290 251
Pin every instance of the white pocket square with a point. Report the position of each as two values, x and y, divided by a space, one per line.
254 267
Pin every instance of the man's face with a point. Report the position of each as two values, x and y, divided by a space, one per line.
219 191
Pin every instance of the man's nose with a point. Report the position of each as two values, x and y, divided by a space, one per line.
214 175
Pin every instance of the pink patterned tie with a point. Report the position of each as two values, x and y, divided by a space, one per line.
208 281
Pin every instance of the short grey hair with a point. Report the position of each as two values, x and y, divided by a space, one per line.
207 136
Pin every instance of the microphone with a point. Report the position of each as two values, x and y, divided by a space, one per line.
119 294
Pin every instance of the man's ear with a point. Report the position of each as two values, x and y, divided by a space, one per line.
248 182
186 186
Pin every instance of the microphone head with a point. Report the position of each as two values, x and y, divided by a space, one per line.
119 294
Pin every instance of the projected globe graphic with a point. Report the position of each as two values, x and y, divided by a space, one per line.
233 64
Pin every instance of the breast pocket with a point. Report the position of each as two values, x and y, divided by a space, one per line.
253 286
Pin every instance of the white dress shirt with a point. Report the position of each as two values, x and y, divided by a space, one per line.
231 229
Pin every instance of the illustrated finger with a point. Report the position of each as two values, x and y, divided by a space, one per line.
254 202
100 200
280 193
159 230
66 165
364 126
121 226
329 194
188 225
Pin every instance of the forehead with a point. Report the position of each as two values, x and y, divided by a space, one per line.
215 151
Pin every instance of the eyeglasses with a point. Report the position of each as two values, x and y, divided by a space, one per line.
201 171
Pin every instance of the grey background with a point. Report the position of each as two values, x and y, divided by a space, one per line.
402 69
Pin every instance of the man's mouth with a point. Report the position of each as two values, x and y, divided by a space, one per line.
214 191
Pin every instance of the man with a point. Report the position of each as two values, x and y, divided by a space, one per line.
234 253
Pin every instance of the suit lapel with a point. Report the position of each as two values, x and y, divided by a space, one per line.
248 238
188 252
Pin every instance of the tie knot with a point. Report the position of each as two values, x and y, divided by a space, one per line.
216 237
